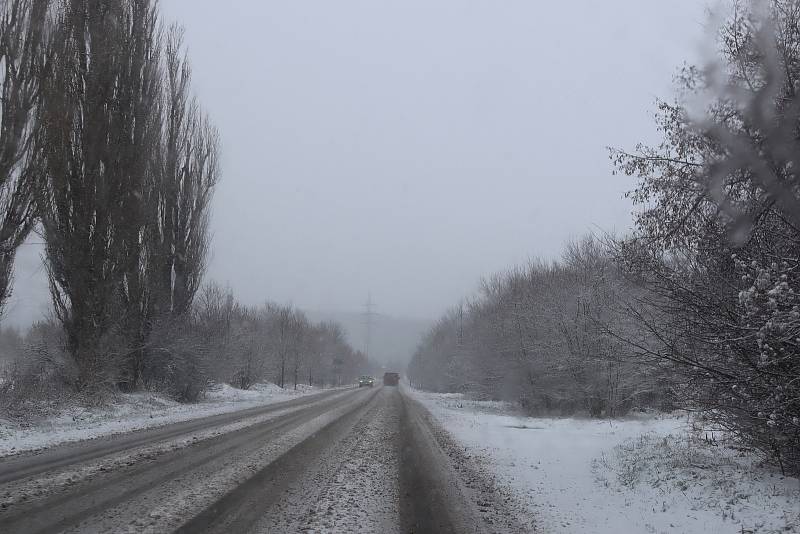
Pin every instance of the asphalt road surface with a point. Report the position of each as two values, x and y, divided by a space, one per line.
358 460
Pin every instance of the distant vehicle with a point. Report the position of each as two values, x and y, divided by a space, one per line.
391 379
366 381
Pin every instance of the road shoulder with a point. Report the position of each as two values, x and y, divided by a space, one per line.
445 488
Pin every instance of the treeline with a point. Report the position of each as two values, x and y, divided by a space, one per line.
272 342
218 340
545 336
702 300
105 153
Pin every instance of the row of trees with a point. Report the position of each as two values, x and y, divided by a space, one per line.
219 340
704 295
543 336
105 152
273 342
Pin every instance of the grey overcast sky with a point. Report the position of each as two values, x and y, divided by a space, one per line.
411 147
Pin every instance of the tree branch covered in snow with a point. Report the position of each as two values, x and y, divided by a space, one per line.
716 243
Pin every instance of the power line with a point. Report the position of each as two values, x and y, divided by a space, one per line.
368 315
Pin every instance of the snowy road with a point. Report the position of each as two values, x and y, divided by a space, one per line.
344 461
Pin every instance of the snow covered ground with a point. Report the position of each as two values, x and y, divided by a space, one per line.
135 411
638 475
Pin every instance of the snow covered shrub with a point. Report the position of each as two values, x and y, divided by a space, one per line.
176 361
725 325
41 379
11 346
762 397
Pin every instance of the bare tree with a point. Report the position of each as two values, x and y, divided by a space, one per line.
281 326
288 332
300 336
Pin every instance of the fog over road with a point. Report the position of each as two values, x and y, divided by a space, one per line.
367 460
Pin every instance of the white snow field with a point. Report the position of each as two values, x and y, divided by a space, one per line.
647 474
135 411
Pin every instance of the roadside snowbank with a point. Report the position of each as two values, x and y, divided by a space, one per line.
135 411
648 475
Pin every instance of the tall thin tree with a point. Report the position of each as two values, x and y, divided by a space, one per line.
22 31
187 174
97 114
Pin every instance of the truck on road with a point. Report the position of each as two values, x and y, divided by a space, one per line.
391 379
